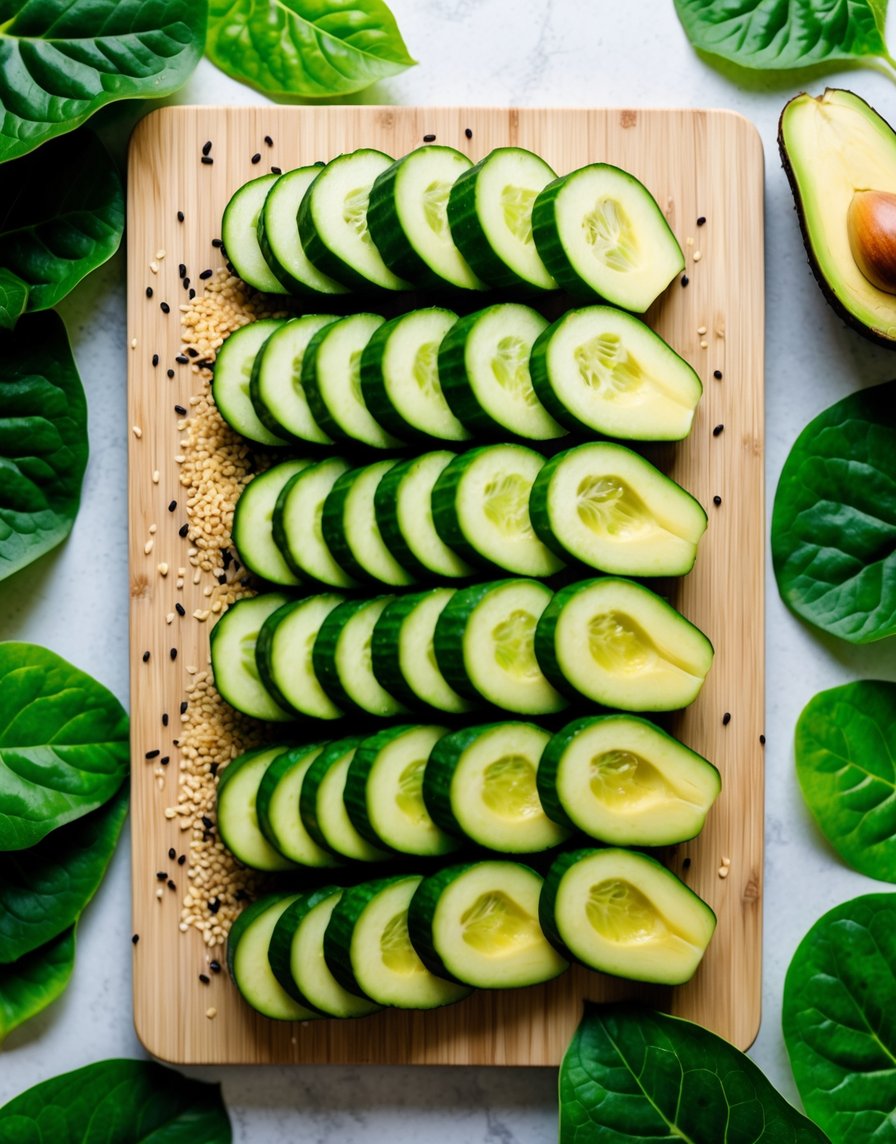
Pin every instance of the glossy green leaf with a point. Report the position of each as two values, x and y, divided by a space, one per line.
834 519
839 1017
13 298
62 60
307 48
61 216
43 440
633 1076
31 984
63 744
117 1102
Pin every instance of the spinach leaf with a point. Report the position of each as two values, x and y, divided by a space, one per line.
13 298
839 1017
62 60
31 984
309 48
43 440
632 1075
117 1102
61 216
846 766
834 519
63 744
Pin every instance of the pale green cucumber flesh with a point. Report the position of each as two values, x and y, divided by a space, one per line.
277 806
247 960
253 527
239 233
231 387
298 524
234 666
237 812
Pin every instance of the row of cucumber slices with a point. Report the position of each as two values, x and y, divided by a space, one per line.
433 219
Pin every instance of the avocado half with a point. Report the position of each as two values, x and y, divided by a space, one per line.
833 146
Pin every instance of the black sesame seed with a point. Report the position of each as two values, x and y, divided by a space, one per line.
222 579
256 158
216 242
206 147
164 761
135 938
229 267
183 530
215 966
172 853
205 274
162 875
173 653
207 160
182 359
155 360
717 374
213 769
176 742
205 980
149 291
192 294
684 280
164 307
762 740
686 864
164 718
146 657
180 609
717 500
718 429
207 822
172 505
214 905
183 706
171 373
172 885
180 216
269 140
186 283
276 170
182 271
152 754
468 132
429 138
726 718
181 859
701 220
180 409
192 351
227 558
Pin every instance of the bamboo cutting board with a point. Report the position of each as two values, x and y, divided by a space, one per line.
698 164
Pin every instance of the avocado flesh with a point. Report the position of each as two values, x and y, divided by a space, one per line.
832 146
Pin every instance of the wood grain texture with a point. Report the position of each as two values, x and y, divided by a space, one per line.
697 163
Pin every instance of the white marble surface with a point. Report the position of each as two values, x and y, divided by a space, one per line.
492 52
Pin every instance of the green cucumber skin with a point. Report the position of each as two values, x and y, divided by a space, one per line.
313 778
538 506
545 629
373 386
338 934
292 285
262 412
384 500
548 244
280 537
356 782
546 775
547 900
385 649
449 636
453 379
263 652
281 942
421 912
272 776
332 526
470 239
323 653
541 380
444 510
439 773
316 403
245 917
322 257
389 237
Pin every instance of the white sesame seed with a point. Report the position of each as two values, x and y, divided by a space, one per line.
137 431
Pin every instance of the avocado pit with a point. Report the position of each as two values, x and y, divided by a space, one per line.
871 227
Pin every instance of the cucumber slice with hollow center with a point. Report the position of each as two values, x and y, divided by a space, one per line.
278 235
277 806
342 658
322 804
239 233
351 530
234 667
253 528
238 812
247 960
233 377
284 655
275 387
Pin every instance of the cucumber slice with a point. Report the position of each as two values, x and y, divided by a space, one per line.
480 782
239 233
599 369
296 954
351 531
342 658
278 235
622 913
624 781
368 950
333 222
233 375
600 231
484 372
408 218
478 924
275 387
253 527
238 812
400 376
403 506
232 647
484 646
403 655
480 508
247 960
283 654
277 806
298 527
490 212
322 804
384 792
604 505
621 645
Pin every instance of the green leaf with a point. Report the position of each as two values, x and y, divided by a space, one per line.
61 216
63 744
43 440
62 60
13 297
633 1075
117 1102
834 519
310 48
846 766
839 1017
31 984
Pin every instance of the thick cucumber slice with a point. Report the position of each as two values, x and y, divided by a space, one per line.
283 654
232 647
599 369
384 792
479 924
403 506
484 372
238 812
408 218
600 231
341 658
480 782
233 376
620 912
277 805
604 505
253 527
351 531
239 233
403 653
484 646
490 212
298 527
333 222
296 954
624 781
247 960
322 804
369 952
621 645
400 376
278 235
480 508
275 387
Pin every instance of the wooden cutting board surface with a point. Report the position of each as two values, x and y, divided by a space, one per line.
698 164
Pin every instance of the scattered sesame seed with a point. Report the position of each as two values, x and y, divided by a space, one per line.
701 220
214 905
148 547
269 140
180 609
717 374
206 274
205 979
135 937
429 138
172 505
684 280
192 294
697 255
164 761
216 242
214 966
172 885
160 893
717 430
726 861
152 754
704 343
163 569
149 291
182 270
182 359
180 216
211 1013
164 307
207 160
256 158
468 132
133 343
173 653
686 864
206 147
207 822
717 500
172 853
181 859
162 875
154 267
762 740
137 431
160 254
146 657
276 171
701 330
183 706
170 373
155 360
726 718
723 871
180 409
155 476
170 812
164 718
